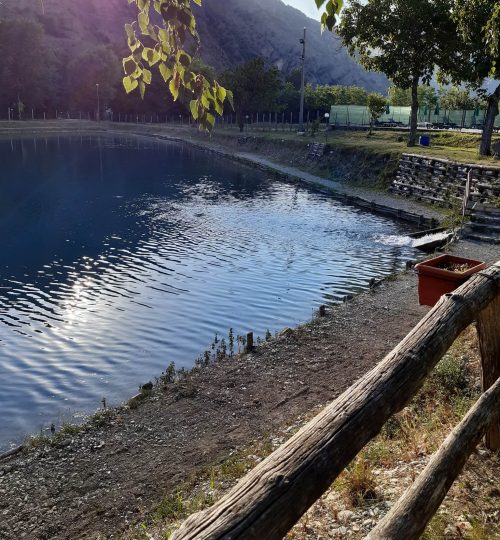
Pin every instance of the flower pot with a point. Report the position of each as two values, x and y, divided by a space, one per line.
443 275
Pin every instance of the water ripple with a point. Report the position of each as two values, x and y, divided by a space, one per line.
121 255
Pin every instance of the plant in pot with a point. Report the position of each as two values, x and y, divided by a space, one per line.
442 275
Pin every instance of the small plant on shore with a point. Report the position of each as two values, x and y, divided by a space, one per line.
169 375
102 418
231 342
359 482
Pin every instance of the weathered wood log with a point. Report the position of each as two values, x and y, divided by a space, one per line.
409 516
488 329
270 499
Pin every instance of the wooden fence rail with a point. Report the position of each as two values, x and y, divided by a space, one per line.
272 497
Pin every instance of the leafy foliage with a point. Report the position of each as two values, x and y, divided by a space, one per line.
405 39
27 69
162 46
256 88
478 25
376 106
98 65
322 97
332 9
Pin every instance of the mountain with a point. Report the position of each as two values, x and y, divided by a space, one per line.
232 31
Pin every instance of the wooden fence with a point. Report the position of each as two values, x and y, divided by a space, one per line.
272 497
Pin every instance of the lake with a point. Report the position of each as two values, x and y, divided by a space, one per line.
121 254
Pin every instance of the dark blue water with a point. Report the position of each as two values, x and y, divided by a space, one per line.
120 255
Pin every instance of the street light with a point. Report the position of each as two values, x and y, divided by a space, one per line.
327 117
98 103
302 84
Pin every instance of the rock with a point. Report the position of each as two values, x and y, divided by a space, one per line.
147 387
344 516
286 332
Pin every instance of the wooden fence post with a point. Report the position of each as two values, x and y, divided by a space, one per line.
249 344
488 329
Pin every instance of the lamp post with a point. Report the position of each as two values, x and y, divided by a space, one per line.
302 84
98 103
327 118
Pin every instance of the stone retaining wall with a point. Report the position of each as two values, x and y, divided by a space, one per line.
441 182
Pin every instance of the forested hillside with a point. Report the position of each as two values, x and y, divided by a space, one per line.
65 57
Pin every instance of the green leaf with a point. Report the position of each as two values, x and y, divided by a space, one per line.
193 107
129 65
143 20
146 76
129 29
129 84
211 119
166 72
173 86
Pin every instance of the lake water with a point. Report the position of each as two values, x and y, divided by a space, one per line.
120 255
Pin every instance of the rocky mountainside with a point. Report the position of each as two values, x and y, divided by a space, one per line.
231 31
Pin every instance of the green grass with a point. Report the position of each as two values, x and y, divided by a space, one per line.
447 145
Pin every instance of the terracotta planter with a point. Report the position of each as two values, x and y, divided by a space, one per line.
434 279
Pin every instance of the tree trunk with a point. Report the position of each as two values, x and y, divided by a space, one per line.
489 122
414 112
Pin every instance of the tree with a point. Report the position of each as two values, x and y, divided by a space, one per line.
428 98
322 97
255 88
295 78
98 65
404 39
399 97
478 26
458 99
27 70
289 99
377 104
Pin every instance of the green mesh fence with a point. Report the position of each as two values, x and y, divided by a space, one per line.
358 115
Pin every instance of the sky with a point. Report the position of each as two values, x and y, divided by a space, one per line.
307 6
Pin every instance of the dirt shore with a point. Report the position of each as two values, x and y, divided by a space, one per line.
108 476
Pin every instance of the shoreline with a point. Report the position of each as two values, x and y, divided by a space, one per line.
397 208
287 174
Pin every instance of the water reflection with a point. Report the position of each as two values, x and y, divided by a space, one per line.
121 255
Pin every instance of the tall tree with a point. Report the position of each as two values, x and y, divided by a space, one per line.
27 69
256 88
478 23
96 66
404 39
